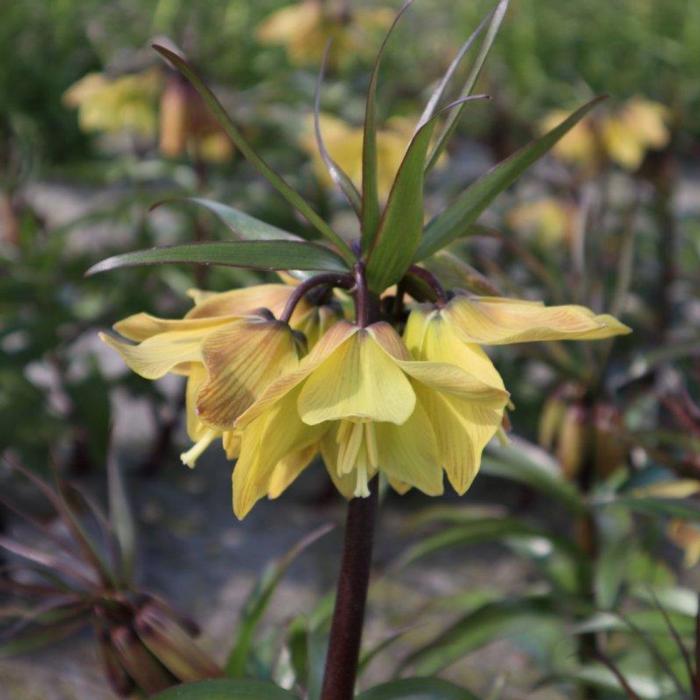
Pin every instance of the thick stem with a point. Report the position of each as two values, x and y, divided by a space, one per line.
353 583
331 279
429 278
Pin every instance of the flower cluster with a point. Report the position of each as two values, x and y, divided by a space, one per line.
281 374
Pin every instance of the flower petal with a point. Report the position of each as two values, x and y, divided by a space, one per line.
143 326
288 469
430 336
241 359
195 381
408 453
499 321
239 302
327 344
462 429
266 441
358 380
160 353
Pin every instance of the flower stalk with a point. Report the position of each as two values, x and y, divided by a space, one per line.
351 598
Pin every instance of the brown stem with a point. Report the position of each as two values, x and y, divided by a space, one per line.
331 279
353 582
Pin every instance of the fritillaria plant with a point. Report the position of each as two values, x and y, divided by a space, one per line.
364 358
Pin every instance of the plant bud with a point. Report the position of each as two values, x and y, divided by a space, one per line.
120 681
149 675
551 420
173 646
572 440
610 449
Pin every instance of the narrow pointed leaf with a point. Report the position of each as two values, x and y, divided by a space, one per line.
258 601
417 689
291 195
242 225
370 192
338 175
529 465
439 91
121 517
259 255
478 628
226 689
457 218
399 230
496 18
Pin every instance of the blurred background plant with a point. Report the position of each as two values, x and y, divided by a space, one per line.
593 506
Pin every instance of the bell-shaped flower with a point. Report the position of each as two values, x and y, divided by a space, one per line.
360 399
454 334
198 346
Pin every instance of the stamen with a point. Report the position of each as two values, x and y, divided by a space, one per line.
361 487
350 449
195 452
371 445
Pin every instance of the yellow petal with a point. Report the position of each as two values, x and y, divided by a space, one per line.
266 441
195 427
241 302
279 388
329 445
462 429
431 337
143 326
288 469
358 380
499 321
160 353
241 359
409 453
231 441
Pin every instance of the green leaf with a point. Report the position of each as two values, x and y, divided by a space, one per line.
483 530
439 91
399 231
259 255
338 175
258 601
226 690
476 629
417 689
529 465
496 18
370 194
452 223
240 224
672 507
227 124
121 517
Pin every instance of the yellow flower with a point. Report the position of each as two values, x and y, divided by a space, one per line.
624 136
186 123
226 347
686 536
454 334
367 405
304 29
344 144
114 105
501 321
640 126
579 145
549 220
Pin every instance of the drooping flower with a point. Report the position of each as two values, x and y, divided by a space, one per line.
366 404
226 346
112 105
624 136
455 333
305 27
